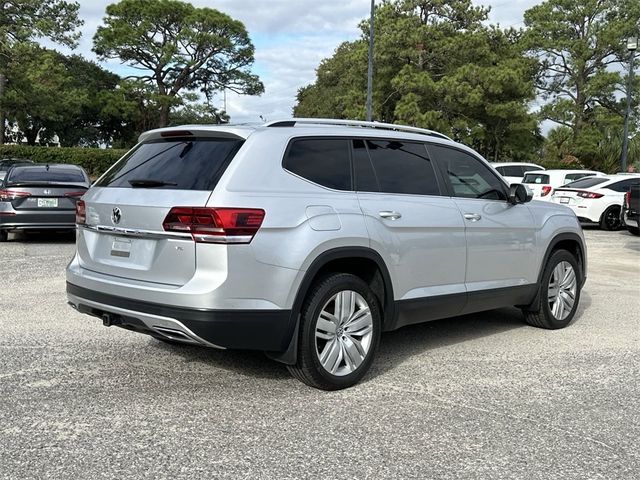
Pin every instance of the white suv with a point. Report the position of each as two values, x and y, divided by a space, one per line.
307 239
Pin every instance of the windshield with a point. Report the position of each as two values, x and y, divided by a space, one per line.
183 164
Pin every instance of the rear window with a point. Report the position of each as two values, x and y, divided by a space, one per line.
572 177
193 164
44 174
587 182
537 178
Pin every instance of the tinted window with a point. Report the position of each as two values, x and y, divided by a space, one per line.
6 165
512 171
468 176
365 176
44 174
535 178
624 185
572 177
324 161
194 164
587 182
402 167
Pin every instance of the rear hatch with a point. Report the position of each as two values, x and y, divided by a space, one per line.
123 235
575 193
538 183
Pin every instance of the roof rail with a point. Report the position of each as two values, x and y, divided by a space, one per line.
355 123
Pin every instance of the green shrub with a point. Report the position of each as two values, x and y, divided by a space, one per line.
94 160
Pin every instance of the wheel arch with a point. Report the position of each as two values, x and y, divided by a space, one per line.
363 262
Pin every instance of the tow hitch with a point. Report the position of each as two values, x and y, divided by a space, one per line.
108 319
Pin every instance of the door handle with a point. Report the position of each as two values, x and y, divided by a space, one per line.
474 217
390 215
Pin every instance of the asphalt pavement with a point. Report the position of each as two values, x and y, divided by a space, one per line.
476 397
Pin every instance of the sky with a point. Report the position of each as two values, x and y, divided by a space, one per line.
291 38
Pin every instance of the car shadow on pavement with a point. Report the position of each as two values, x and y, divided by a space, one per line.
43 237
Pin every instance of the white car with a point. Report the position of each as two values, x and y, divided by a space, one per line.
513 172
542 183
597 199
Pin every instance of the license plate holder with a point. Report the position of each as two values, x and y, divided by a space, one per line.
121 247
564 199
47 203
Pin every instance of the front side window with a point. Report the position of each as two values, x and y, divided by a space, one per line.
324 161
402 167
468 176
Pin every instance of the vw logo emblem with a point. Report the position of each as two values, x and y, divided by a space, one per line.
47 192
116 215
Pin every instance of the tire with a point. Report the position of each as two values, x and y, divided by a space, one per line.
634 230
4 235
336 351
544 313
610 219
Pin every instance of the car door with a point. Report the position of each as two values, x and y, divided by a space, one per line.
501 237
418 231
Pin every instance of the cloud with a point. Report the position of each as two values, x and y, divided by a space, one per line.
291 38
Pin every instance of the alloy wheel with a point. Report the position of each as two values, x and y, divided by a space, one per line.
343 333
562 290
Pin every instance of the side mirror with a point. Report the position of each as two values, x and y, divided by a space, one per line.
518 193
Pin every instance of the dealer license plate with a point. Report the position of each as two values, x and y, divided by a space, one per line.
121 247
47 203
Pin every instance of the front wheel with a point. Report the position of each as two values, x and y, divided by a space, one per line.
610 219
339 333
559 293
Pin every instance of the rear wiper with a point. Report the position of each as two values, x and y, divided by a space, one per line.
140 183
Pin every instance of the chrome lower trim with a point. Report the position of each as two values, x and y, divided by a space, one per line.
161 325
133 232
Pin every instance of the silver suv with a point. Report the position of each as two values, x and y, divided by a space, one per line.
307 239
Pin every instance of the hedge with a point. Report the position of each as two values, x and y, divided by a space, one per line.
94 160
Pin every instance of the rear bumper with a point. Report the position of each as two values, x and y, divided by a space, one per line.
631 219
266 330
30 219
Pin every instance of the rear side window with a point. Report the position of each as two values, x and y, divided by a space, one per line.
468 176
193 164
624 185
402 167
44 174
511 171
587 182
324 161
536 178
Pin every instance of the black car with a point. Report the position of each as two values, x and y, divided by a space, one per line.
7 163
40 197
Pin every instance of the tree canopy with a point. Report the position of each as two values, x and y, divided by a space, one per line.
178 47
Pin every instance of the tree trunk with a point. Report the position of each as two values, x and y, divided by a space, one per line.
3 116
164 116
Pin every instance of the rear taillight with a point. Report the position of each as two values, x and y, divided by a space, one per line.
627 198
215 225
81 212
590 195
74 194
9 195
546 190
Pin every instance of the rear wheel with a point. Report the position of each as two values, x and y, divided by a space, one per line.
4 235
634 230
610 219
559 293
339 333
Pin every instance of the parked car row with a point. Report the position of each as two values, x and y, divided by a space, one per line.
595 198
40 196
